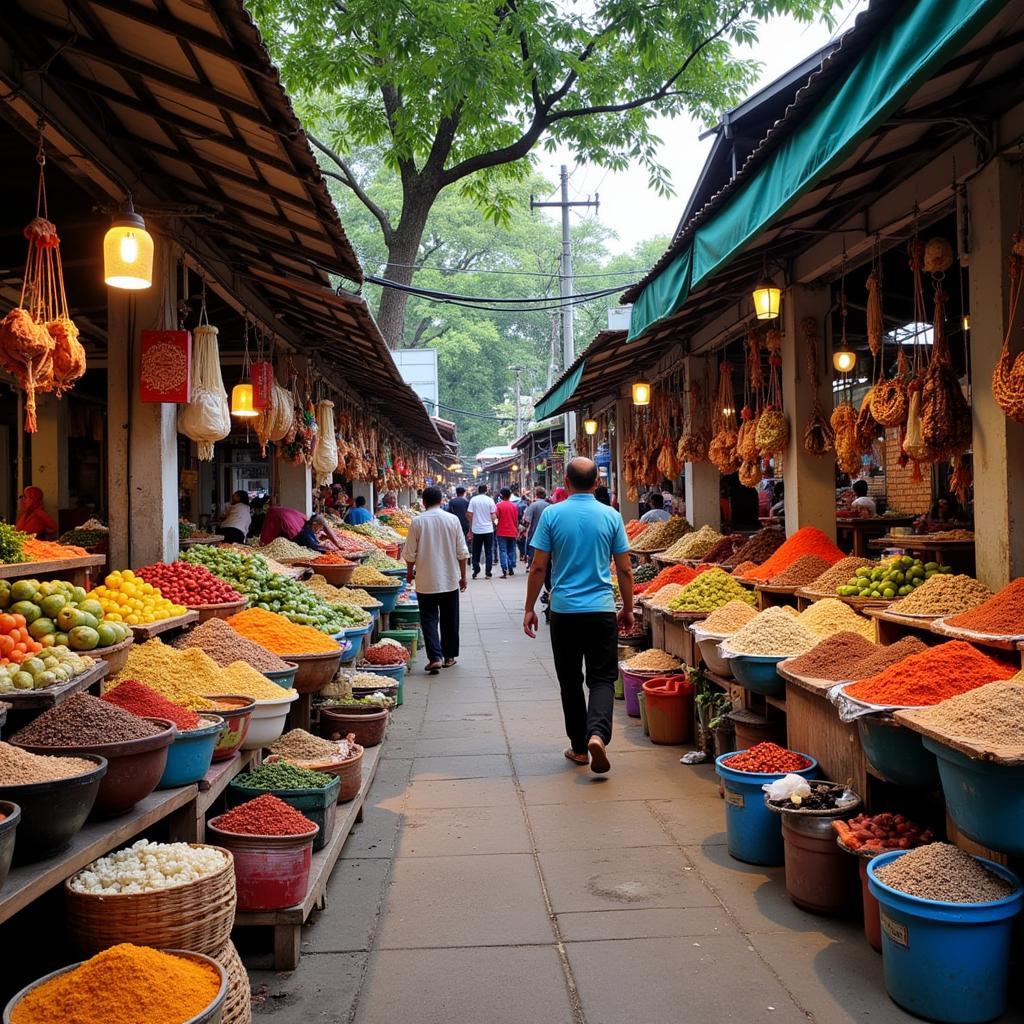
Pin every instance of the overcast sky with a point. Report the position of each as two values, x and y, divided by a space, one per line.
631 209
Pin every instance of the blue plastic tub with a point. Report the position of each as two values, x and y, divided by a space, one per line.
283 677
985 800
388 596
396 672
190 755
759 673
753 833
896 753
946 961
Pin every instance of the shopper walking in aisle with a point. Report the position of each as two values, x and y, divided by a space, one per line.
580 537
436 555
482 517
459 507
531 518
508 530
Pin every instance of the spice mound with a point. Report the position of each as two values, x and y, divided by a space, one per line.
881 832
218 640
992 715
282 775
834 657
20 768
801 572
761 546
123 983
934 675
943 595
838 575
696 544
741 570
148 867
944 873
367 576
775 632
663 596
710 590
340 595
768 758
729 618
830 616
653 660
143 701
672 574
808 540
277 634
281 548
84 721
299 745
659 536
267 815
1000 615
386 652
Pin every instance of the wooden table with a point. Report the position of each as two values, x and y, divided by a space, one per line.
768 596
859 529
38 700
679 640
75 570
957 553
890 627
287 924
148 630
201 538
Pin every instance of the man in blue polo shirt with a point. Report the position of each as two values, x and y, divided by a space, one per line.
580 537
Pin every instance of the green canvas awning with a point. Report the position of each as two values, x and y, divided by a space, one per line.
561 393
911 47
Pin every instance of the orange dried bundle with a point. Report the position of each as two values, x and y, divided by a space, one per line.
746 441
818 435
844 427
945 414
867 429
722 450
1008 375
876 322
749 473
890 400
68 354
772 434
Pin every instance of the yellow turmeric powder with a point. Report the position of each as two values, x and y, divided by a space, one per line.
125 984
278 634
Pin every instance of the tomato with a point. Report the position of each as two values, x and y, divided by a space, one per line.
19 620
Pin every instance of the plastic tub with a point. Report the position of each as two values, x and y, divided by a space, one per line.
395 672
284 677
895 753
408 638
946 961
872 918
267 722
633 681
52 813
237 714
669 703
641 703
271 872
759 673
134 767
8 828
388 596
985 800
753 832
368 728
319 805
707 644
211 1015
315 670
406 615
191 754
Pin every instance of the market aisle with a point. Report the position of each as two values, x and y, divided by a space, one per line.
494 883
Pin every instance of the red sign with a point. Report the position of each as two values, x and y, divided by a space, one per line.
165 367
262 377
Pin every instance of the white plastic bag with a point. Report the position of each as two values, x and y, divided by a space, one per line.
325 454
786 787
207 417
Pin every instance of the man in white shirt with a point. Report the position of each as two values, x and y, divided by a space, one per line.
864 505
657 513
483 514
436 555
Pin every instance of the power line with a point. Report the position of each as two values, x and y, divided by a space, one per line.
475 415
432 293
511 273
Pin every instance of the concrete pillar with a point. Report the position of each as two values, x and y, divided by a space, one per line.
143 455
701 480
630 509
365 490
810 480
50 453
294 486
993 198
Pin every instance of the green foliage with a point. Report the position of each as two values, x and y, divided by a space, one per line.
12 542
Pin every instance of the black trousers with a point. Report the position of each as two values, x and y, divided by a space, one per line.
586 640
440 610
483 542
231 535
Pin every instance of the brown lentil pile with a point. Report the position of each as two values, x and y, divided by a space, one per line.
729 618
992 714
654 660
834 657
696 544
800 572
830 616
743 568
943 595
659 536
886 656
725 548
775 631
838 575
303 746
943 872
84 721
224 645
759 548
20 768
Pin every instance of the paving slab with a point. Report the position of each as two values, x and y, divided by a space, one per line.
619 824
461 766
355 895
596 925
464 901
461 793
463 830
322 991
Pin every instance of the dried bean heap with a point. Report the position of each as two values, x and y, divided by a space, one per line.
943 595
830 616
990 715
775 632
727 619
220 642
20 768
945 873
299 745
653 660
84 721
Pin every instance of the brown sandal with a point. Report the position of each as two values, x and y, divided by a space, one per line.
571 755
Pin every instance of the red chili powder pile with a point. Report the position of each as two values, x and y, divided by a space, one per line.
808 540
1001 615
267 815
931 676
767 758
682 574
142 700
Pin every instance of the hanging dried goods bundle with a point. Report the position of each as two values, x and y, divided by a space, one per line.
945 415
772 432
962 479
325 455
68 354
722 450
938 255
206 419
913 440
876 322
889 398
693 445
844 427
746 440
1008 375
867 429
749 473
275 420
818 436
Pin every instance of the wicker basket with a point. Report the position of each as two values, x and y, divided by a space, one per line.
197 915
238 1004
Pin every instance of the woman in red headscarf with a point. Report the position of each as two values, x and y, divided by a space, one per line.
32 517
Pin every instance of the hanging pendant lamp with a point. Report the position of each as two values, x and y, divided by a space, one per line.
128 251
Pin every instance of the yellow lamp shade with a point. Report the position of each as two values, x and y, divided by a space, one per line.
590 427
844 359
767 298
641 393
241 401
128 252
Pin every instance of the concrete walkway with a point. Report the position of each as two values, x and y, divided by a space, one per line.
494 883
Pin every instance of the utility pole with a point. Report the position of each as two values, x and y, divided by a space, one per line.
566 289
517 370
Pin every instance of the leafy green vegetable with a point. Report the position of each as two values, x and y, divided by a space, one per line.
12 544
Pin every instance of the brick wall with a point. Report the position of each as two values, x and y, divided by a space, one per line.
904 493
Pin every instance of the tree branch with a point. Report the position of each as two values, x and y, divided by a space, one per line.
348 179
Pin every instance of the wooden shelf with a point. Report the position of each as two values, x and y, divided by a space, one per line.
74 569
287 924
36 700
146 632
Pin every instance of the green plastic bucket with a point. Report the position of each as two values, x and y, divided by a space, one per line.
404 617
